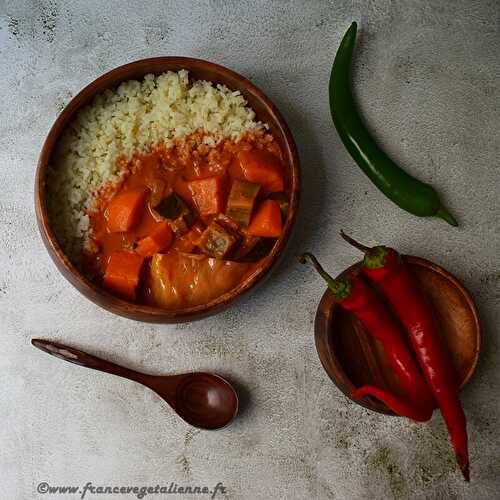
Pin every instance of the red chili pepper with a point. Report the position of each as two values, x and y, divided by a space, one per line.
386 268
356 296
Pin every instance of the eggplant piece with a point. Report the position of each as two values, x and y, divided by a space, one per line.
250 248
174 208
241 201
179 226
228 223
254 248
247 245
218 241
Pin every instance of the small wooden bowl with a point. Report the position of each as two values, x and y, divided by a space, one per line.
200 70
353 358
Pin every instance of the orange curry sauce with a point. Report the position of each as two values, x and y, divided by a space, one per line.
163 171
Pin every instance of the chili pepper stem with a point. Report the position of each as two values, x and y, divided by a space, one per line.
354 243
308 257
374 256
340 287
445 215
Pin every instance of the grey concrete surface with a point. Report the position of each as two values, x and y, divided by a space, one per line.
427 77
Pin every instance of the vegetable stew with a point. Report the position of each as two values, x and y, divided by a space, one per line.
188 223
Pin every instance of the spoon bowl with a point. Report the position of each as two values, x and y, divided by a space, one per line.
201 399
207 394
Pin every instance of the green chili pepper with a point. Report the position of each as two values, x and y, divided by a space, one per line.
407 192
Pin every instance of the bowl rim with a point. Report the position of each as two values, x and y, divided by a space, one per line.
323 324
100 296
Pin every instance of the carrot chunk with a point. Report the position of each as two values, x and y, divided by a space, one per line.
208 194
262 168
267 220
122 274
158 241
125 209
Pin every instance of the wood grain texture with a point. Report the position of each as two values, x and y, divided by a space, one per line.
352 358
198 69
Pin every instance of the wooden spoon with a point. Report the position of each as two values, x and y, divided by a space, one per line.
203 400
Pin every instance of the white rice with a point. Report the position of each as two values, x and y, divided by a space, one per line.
132 118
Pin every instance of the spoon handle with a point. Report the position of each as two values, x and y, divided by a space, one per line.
83 359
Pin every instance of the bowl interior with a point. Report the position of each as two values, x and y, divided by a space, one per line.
352 358
198 69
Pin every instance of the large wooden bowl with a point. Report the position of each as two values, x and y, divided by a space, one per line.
201 70
353 358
